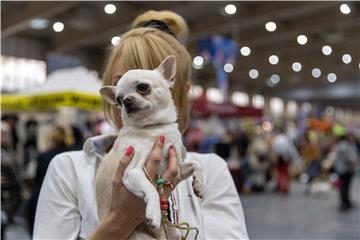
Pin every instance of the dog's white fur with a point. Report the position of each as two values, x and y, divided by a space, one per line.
155 115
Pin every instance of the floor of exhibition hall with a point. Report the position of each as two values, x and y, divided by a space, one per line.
292 216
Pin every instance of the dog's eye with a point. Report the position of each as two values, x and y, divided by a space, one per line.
143 88
119 100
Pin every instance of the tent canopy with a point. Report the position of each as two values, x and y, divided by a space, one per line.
76 87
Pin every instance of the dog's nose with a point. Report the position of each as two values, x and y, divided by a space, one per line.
129 104
128 100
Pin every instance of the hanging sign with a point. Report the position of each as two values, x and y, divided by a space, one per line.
50 101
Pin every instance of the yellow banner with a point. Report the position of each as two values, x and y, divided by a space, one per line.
45 102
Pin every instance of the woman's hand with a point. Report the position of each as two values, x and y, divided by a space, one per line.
127 211
172 173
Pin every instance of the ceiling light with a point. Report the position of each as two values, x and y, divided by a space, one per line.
245 51
302 39
39 23
296 66
110 8
253 73
228 67
331 77
270 26
316 73
115 40
258 101
345 9
198 62
58 27
230 9
273 59
275 79
346 58
326 50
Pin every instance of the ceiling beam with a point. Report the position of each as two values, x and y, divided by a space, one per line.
18 20
251 19
107 29
307 27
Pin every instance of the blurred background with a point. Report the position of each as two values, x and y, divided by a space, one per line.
275 92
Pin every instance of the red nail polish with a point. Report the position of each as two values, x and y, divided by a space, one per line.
129 150
162 139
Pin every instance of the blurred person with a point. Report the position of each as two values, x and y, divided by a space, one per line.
78 138
344 156
60 140
11 184
67 202
223 147
285 152
30 149
258 154
311 154
292 132
241 143
12 121
193 136
30 145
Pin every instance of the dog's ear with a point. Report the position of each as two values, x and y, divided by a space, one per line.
168 69
109 95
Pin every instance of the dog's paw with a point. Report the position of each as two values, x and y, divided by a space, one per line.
153 216
198 186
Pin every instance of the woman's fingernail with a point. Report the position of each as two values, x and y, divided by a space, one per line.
162 138
129 150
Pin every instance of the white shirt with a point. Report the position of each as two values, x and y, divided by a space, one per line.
67 203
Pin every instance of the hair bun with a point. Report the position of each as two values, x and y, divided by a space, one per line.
175 22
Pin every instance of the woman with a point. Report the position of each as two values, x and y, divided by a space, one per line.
344 157
67 206
59 141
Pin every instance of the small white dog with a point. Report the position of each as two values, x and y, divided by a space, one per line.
147 111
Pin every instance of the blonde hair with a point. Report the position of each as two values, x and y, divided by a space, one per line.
145 48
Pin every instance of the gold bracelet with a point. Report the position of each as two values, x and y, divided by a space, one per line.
147 175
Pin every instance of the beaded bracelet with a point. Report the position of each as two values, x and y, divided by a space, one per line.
164 206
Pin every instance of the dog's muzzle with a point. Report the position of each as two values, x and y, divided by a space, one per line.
130 105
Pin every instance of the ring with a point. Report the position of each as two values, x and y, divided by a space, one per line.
163 182
147 175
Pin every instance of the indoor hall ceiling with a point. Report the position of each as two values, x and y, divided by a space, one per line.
89 29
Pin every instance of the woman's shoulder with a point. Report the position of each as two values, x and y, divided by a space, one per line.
71 161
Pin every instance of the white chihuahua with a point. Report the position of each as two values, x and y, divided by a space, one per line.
147 111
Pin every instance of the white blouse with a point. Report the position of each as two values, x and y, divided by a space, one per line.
67 203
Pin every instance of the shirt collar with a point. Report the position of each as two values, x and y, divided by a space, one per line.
98 145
